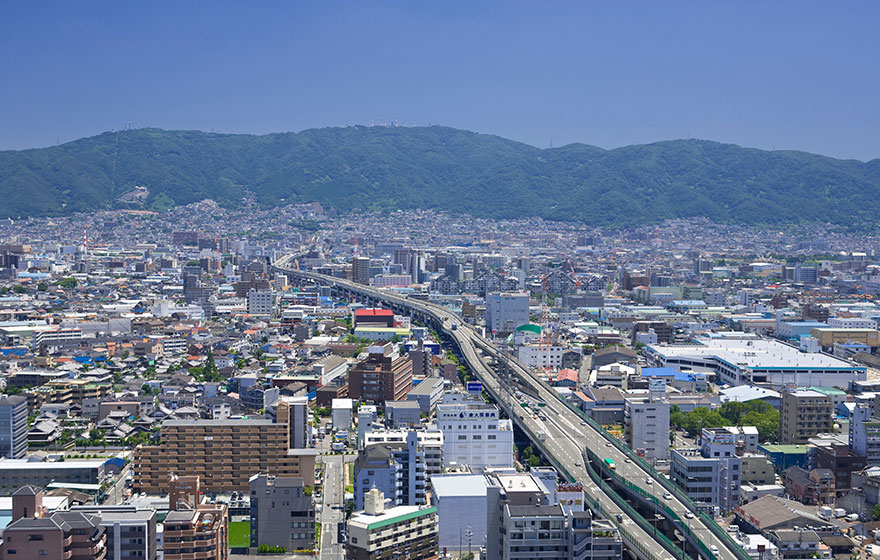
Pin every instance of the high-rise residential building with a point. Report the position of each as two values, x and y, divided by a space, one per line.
385 375
223 453
13 426
400 532
474 434
710 474
282 513
804 414
864 433
360 270
193 528
506 311
260 303
399 470
35 534
294 411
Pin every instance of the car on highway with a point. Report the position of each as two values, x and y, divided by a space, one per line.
583 423
619 518
667 496
577 464
689 515
713 549
649 480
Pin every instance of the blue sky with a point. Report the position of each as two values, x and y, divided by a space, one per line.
785 75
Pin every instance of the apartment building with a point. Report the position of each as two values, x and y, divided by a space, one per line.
384 376
282 514
400 533
595 539
864 433
529 529
360 270
131 531
430 442
13 426
194 529
223 453
35 534
804 414
260 303
397 469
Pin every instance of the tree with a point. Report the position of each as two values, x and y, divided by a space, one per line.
42 287
67 283
875 512
19 289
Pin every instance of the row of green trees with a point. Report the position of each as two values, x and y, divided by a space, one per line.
754 413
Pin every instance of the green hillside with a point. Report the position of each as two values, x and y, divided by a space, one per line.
441 168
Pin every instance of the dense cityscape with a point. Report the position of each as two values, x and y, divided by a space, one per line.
294 382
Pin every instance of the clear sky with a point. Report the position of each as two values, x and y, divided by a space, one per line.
782 74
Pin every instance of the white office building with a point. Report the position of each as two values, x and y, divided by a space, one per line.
475 435
506 311
647 428
534 355
851 323
461 507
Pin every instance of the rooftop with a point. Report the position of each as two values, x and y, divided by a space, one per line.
389 516
459 485
754 353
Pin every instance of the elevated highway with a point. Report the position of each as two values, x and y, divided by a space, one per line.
572 441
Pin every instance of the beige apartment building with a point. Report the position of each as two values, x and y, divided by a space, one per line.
804 414
224 454
828 336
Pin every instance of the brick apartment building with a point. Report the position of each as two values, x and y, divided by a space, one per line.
223 453
384 376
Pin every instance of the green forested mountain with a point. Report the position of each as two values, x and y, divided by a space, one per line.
441 168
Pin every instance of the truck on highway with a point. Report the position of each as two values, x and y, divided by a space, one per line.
610 463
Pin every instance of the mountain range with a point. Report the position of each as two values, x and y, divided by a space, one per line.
379 168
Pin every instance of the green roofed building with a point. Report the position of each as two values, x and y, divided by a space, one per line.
529 327
402 532
784 456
